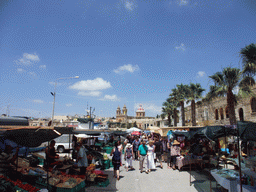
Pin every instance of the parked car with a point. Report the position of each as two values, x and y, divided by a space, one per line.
64 142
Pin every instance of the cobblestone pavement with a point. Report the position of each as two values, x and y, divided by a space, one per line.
157 180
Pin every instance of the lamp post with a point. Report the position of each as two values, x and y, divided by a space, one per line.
54 94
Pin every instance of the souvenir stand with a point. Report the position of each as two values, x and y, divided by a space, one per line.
243 179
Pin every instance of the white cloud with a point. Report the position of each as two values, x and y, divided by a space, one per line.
42 67
129 5
181 47
183 2
31 57
110 98
200 74
33 74
91 93
91 85
20 70
38 101
130 68
68 104
28 59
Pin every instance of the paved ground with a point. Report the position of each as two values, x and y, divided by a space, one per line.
158 180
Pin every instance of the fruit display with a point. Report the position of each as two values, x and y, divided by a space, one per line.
90 168
18 183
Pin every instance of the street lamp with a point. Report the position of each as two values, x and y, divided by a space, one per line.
54 94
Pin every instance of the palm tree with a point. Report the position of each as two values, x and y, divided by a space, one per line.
174 102
195 92
180 94
248 55
225 82
167 110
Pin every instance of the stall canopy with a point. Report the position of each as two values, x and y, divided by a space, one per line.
184 133
133 129
88 132
64 130
247 130
119 133
29 136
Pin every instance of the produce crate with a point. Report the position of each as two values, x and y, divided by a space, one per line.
41 161
19 189
106 164
77 188
43 185
103 184
110 164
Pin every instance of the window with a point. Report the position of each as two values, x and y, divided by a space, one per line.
253 104
241 114
221 114
227 113
216 114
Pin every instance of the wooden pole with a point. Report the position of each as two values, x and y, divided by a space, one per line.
189 174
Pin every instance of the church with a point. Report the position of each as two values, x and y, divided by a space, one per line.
141 120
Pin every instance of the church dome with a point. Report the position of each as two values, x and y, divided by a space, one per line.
140 109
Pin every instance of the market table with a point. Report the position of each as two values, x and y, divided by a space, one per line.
187 160
247 188
226 178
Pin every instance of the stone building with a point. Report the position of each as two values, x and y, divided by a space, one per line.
140 112
121 116
216 111
141 120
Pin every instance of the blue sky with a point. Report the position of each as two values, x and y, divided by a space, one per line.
124 51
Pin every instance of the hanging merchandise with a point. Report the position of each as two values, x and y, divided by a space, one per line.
169 135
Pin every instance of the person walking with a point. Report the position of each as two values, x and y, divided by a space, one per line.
169 145
175 152
142 153
159 151
150 156
116 160
136 144
128 156
120 147
82 161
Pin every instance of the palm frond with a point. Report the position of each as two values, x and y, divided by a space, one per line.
248 54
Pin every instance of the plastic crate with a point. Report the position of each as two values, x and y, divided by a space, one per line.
43 185
41 161
77 188
110 163
103 184
17 189
106 164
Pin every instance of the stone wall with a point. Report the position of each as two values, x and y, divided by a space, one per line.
206 112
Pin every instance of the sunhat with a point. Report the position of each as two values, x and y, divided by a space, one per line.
176 142
129 145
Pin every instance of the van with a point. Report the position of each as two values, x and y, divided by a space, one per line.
64 142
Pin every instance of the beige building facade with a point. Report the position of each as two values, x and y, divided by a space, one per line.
216 111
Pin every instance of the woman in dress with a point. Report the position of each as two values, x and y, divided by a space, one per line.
150 154
175 152
116 159
120 147
128 156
